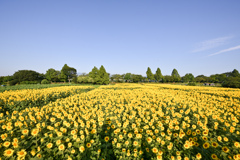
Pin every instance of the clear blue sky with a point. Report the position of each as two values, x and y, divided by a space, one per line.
193 36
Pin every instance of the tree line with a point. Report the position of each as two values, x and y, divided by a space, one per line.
100 76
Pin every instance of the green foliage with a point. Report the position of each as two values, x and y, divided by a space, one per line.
149 73
191 84
117 78
235 73
67 73
99 76
233 82
103 76
5 79
176 77
188 78
29 82
45 81
94 74
127 77
168 78
85 79
13 82
201 79
52 75
158 75
27 75
137 78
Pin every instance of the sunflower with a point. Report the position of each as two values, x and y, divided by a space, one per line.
49 145
22 153
186 145
215 144
199 156
206 145
88 145
73 151
204 138
120 137
8 153
33 152
139 136
61 147
39 155
6 144
155 150
149 139
214 156
219 138
237 144
58 142
225 139
225 149
35 132
25 132
135 143
159 157
81 149
106 138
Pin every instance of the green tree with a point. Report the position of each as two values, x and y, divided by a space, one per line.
137 78
188 78
68 73
233 82
176 77
117 78
103 76
201 79
150 75
168 78
94 74
27 75
235 73
84 79
128 77
52 75
158 75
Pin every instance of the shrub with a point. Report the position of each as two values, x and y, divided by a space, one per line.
45 81
29 82
191 84
13 82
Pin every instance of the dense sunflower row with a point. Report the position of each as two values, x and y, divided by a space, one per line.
19 99
126 122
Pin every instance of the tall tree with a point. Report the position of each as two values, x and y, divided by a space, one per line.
52 75
149 73
68 73
127 77
103 76
94 74
158 75
235 73
176 77
188 77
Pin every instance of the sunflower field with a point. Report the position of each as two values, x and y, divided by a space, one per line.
122 121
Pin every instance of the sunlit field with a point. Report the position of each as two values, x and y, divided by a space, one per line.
122 121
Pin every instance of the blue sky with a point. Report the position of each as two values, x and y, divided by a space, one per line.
198 37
